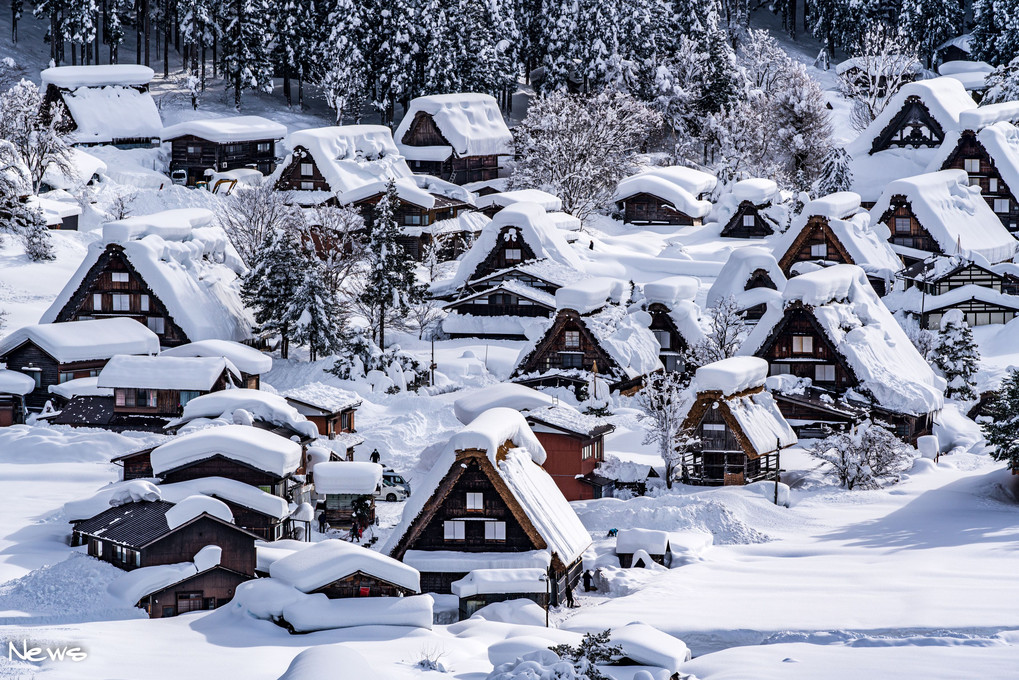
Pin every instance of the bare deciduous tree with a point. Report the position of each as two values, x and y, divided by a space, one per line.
250 215
728 331
886 61
662 400
39 137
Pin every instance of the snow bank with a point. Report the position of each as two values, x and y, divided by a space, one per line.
231 490
529 222
954 213
550 202
82 167
318 612
226 130
165 373
729 376
12 382
263 406
259 448
347 477
501 581
671 289
332 560
136 584
336 662
194 506
589 295
176 225
651 647
72 77
85 340
472 123
520 611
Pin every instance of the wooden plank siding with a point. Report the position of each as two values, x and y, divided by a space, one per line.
210 589
971 155
565 460
196 155
460 170
645 208
221 466
913 126
360 584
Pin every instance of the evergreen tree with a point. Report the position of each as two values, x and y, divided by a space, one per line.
80 28
440 73
995 35
802 126
394 57
647 37
598 38
929 23
1002 428
320 318
560 44
662 401
113 27
836 175
1003 84
272 284
295 55
595 649
390 285
245 46
16 217
345 81
838 24
955 354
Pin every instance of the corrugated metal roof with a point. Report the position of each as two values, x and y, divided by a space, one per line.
132 524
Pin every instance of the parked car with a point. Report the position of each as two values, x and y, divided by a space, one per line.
394 487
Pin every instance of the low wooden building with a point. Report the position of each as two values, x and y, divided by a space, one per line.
202 591
919 115
574 444
738 429
814 412
238 452
457 137
835 230
136 464
339 569
675 319
139 534
253 509
103 104
341 484
202 147
502 312
581 346
249 362
56 353
653 543
332 411
482 587
941 213
166 286
986 294
752 278
747 209
989 154
665 195
808 339
13 388
486 503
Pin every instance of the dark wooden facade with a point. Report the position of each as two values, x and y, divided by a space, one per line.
674 346
971 155
510 250
913 126
360 584
338 508
977 313
906 230
499 301
966 273
645 208
207 590
816 242
137 535
460 170
723 456
218 465
196 155
329 422
813 413
35 362
113 287
448 524
569 346
137 464
748 222
798 346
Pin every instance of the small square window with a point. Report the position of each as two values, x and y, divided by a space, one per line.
454 530
495 531
903 225
571 339
307 186
156 324
475 501
803 344
1001 205
307 169
824 373
749 220
819 250
971 165
121 302
992 184
513 254
264 147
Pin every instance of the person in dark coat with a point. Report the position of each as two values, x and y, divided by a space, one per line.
570 602
375 457
588 581
322 523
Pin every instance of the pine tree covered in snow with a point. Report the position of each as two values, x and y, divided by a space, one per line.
802 126
296 54
245 48
80 28
929 23
578 148
320 321
598 41
1002 427
595 649
440 71
359 355
864 458
955 354
390 285
16 217
995 36
1003 84
836 175
271 286
840 23
662 402
395 55
39 139
559 48
345 81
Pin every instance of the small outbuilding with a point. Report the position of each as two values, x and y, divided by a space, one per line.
201 147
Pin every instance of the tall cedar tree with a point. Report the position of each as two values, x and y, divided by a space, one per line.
319 324
1003 84
996 31
245 47
955 354
929 23
1002 429
836 175
345 82
390 286
272 285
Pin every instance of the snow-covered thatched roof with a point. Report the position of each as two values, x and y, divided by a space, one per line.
85 340
945 99
230 490
222 407
519 468
982 116
192 268
260 449
358 161
736 272
333 559
531 223
347 477
472 124
954 213
244 357
865 333
227 130
1000 140
111 113
676 294
680 187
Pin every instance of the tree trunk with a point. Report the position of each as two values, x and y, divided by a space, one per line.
382 325
148 34
286 86
166 39
139 20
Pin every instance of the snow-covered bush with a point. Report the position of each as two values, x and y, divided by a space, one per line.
1002 429
594 649
562 662
1003 84
359 356
865 457
662 401
956 356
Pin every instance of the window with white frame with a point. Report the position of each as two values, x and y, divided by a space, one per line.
156 324
819 250
119 277
513 255
749 220
587 452
97 302
307 186
121 302
992 184
971 165
903 225
495 531
664 339
307 169
454 530
803 344
143 302
1001 205
571 339
475 501
824 373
